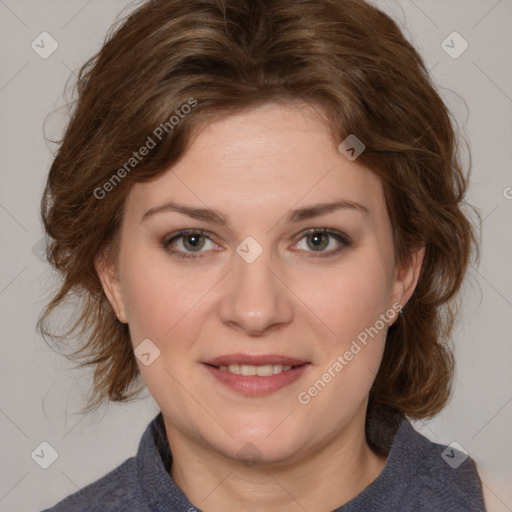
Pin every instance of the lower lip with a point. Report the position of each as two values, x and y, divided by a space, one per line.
253 385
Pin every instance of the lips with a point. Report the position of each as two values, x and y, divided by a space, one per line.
254 360
237 372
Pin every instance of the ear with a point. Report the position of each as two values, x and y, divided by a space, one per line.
106 269
406 277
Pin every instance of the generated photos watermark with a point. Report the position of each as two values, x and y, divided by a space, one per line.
304 397
157 134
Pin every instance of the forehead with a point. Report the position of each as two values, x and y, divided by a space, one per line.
253 161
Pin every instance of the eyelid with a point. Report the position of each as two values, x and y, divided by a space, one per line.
335 233
183 232
342 239
168 240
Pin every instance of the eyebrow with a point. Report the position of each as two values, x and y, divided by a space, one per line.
297 215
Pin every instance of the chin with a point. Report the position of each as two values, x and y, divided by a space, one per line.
264 442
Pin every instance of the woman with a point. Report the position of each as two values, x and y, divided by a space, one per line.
259 207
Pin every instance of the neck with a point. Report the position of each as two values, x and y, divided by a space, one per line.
323 479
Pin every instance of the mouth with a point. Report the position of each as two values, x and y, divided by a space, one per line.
261 371
256 375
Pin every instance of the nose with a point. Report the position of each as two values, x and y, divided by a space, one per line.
256 299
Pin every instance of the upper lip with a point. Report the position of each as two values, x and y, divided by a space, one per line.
254 360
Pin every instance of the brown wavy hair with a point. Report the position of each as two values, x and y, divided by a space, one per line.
344 57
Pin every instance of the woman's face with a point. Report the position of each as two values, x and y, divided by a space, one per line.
299 272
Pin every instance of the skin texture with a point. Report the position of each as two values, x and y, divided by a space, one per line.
254 167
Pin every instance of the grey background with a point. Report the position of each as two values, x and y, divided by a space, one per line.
39 393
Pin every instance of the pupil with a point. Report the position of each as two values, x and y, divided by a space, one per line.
196 241
319 240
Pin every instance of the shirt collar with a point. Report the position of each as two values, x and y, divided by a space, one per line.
154 461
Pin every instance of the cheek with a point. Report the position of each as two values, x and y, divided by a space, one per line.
165 303
350 298
349 302
162 304
352 348
155 298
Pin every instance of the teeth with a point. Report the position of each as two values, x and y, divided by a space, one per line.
265 371
245 369
262 371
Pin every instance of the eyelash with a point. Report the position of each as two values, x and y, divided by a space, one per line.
340 237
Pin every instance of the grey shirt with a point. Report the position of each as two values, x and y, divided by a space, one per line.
418 476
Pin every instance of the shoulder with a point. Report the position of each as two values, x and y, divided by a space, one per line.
140 484
116 491
440 477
